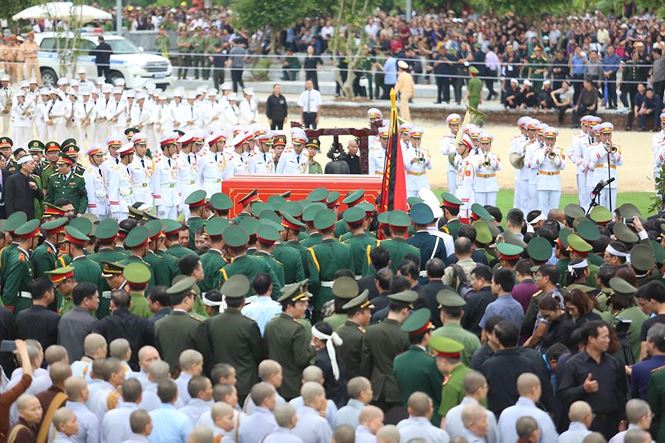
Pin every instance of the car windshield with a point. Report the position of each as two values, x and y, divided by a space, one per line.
122 46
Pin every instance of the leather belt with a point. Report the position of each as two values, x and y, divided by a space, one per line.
604 165
486 175
25 294
415 173
548 173
326 284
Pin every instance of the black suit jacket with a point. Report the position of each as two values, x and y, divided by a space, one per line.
102 54
476 303
18 195
427 300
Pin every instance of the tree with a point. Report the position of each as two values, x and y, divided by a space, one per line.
532 11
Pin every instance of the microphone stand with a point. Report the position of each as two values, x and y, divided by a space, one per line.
596 195
609 176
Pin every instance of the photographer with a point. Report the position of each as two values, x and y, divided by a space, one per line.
338 165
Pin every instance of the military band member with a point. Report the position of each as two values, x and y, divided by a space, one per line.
449 150
517 152
486 185
532 146
103 127
117 111
466 175
658 147
550 162
121 187
41 111
55 119
605 157
6 101
96 184
416 162
142 169
22 116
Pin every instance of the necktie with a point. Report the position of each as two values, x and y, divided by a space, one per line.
189 159
265 157
215 157
142 163
309 95
169 161
298 158
100 172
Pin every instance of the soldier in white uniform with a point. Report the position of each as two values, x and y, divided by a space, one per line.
377 156
178 110
449 150
96 184
605 157
167 196
375 116
236 164
121 195
658 147
487 165
116 112
6 101
70 118
578 154
517 148
113 143
56 116
530 149
142 169
41 111
188 169
294 160
247 108
550 162
139 116
22 114
213 163
229 118
262 162
416 162
404 129
103 127
163 117
84 116
466 176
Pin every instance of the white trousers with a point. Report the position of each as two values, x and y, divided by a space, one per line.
452 181
486 198
548 200
170 212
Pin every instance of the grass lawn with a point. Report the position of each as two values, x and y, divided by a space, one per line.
640 199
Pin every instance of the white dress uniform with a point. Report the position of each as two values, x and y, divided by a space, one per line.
102 125
229 117
517 146
530 151
449 147
56 114
466 177
247 111
186 117
22 115
41 115
143 171
167 197
188 173
603 171
416 163
6 101
292 163
84 117
235 165
658 149
212 166
261 163
70 118
97 190
549 177
486 185
139 117
578 154
121 195
377 161
116 109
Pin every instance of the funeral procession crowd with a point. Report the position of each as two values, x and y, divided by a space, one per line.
138 307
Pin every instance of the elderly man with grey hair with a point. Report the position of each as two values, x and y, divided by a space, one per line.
311 427
638 414
286 418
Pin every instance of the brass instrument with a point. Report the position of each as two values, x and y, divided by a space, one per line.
486 163
610 148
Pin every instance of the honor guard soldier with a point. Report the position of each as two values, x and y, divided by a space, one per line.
178 330
450 205
213 163
95 184
236 240
517 153
294 160
375 117
352 332
136 243
605 157
121 189
398 224
550 162
383 342
449 150
85 269
452 308
142 169
234 338
448 354
196 204
64 282
579 155
415 369
324 259
344 290
44 256
430 246
236 164
416 163
377 155
213 260
137 276
486 185
188 170
466 176
287 340
68 185
17 271
167 196
262 162
533 145
289 252
113 143
359 240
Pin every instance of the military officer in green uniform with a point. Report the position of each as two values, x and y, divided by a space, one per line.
64 281
67 184
173 247
198 210
359 240
351 200
167 266
137 275
236 239
289 237
452 309
344 289
213 260
286 339
289 256
415 369
220 204
233 338
177 331
44 256
137 244
312 236
448 354
85 269
17 272
397 246
71 149
324 259
13 222
450 205
625 310
383 342
266 237
352 332
105 234
162 42
49 166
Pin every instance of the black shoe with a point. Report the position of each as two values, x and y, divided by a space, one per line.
628 128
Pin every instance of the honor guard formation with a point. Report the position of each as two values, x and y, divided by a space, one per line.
140 307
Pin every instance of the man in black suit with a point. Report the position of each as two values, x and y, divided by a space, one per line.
21 189
102 55
4 175
435 269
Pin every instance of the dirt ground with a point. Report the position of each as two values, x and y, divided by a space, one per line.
634 175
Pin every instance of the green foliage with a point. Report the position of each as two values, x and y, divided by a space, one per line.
658 199
11 7
274 14
260 71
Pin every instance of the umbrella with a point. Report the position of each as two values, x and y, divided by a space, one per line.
63 11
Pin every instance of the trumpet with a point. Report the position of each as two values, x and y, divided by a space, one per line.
486 162
610 148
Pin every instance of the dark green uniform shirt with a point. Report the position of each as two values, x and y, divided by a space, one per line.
415 370
71 187
212 261
291 260
352 335
323 260
175 333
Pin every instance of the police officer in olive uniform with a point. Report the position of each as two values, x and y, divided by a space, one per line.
233 338
67 184
452 308
17 272
450 205
177 331
213 260
324 259
287 340
137 276
352 332
448 354
415 369
344 289
383 342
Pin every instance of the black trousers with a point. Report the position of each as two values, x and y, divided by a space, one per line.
611 83
562 112
312 75
309 120
577 85
185 62
442 89
386 90
218 77
277 125
104 70
236 78
457 89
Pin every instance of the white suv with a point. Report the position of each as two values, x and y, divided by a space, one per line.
127 61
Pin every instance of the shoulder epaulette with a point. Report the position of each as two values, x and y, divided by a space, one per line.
537 293
78 175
